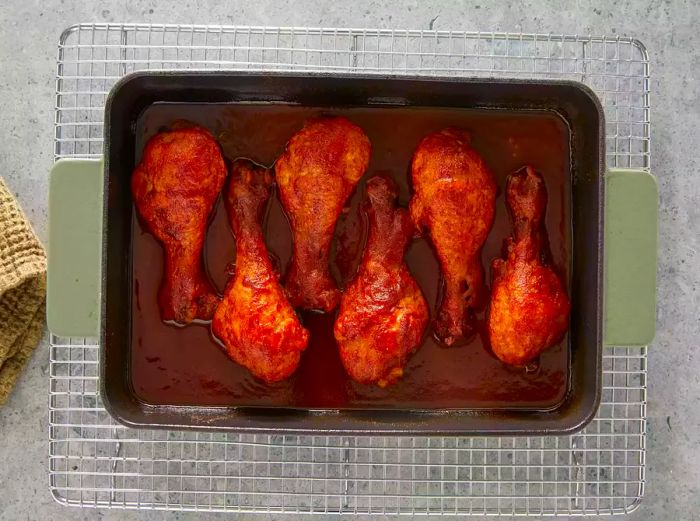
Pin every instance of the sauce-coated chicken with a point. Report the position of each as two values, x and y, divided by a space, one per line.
255 322
316 174
175 187
454 202
529 309
383 313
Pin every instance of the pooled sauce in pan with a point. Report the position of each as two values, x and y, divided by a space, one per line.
185 366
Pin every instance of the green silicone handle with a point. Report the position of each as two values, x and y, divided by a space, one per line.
631 214
75 239
74 252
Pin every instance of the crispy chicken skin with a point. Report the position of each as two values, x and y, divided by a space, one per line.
529 309
383 313
255 322
175 187
316 174
453 203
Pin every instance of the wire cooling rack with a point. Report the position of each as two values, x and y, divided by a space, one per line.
97 462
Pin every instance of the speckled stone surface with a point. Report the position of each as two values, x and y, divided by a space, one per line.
28 37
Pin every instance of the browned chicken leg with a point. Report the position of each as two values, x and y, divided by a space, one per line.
529 309
383 313
254 321
316 174
454 201
175 187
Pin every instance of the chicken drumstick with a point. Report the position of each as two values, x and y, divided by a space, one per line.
175 187
254 321
383 313
529 309
454 201
316 174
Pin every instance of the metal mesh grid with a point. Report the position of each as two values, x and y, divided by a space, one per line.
96 462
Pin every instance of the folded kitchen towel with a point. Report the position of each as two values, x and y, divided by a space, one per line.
22 291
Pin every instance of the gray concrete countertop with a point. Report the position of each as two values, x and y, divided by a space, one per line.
28 38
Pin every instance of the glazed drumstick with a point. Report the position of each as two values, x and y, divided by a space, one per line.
383 313
316 174
175 187
453 202
254 321
529 309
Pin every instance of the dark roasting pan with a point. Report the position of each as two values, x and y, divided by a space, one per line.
156 376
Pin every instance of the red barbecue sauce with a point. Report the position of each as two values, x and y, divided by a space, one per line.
186 366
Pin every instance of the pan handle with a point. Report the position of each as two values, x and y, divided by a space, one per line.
75 244
631 214
75 241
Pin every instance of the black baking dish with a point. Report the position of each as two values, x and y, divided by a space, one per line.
572 102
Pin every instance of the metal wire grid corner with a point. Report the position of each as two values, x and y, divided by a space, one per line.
96 462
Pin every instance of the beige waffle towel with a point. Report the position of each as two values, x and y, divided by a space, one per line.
22 291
